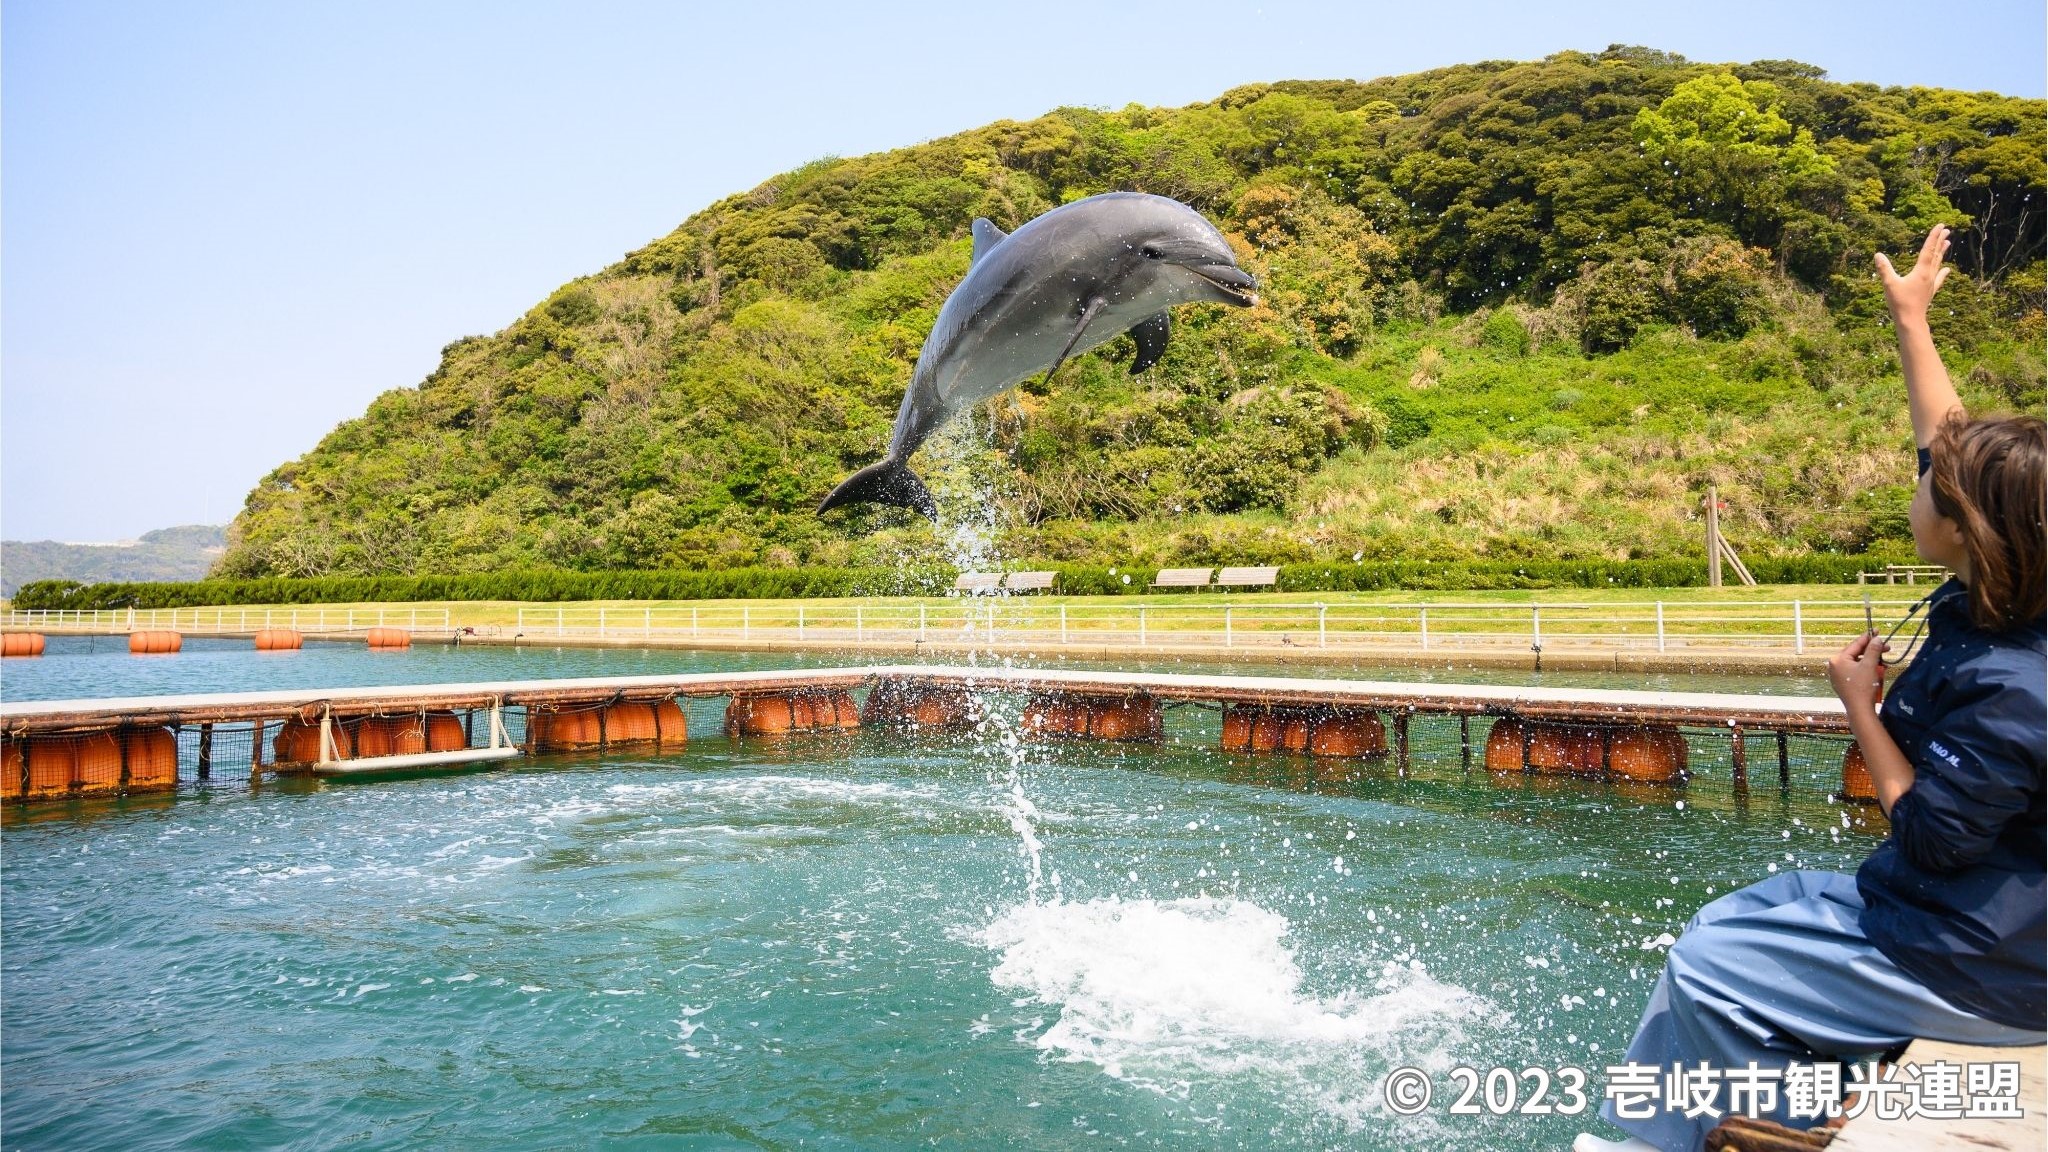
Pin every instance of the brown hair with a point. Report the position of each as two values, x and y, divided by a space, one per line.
1988 477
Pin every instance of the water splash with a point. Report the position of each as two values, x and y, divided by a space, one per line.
1016 806
1163 994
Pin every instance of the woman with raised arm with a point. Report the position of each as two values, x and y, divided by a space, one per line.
1940 934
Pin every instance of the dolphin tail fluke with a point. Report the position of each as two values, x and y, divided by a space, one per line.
884 482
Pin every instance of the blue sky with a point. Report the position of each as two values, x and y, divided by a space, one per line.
225 227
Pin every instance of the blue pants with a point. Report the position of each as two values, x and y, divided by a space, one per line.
1781 971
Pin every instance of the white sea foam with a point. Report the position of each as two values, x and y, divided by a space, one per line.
1163 993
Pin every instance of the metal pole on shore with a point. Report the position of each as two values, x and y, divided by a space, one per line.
1660 625
1798 631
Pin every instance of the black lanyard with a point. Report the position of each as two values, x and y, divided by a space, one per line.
1911 642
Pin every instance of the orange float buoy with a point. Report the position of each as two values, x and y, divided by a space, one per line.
1269 729
1237 728
445 732
800 711
90 764
1654 755
1102 717
389 638
1315 731
152 759
1349 734
1053 716
374 736
154 642
279 640
758 715
1504 745
918 705
1856 782
1564 749
61 765
1130 718
556 731
298 742
643 722
22 644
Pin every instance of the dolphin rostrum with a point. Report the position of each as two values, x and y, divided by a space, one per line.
1065 282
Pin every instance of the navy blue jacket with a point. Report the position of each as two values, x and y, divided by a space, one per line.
1954 896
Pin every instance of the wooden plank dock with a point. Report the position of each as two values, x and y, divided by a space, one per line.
1586 705
2027 1132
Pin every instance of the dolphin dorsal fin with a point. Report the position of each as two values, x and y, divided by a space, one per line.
986 236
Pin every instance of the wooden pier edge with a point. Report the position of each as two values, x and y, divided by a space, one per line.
1586 706
2026 1133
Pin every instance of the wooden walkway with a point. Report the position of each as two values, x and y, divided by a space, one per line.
1588 705
2026 1133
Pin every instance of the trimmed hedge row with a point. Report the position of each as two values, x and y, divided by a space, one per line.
800 583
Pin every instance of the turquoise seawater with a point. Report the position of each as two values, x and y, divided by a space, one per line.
855 941
86 666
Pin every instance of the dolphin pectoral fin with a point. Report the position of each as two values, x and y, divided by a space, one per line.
1087 314
986 236
884 482
1151 334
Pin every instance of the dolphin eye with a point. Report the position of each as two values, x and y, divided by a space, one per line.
1149 252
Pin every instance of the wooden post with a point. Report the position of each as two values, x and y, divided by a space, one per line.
1713 537
1401 738
256 749
1741 760
1465 741
1784 760
205 752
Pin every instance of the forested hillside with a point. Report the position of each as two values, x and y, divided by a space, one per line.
1511 310
184 553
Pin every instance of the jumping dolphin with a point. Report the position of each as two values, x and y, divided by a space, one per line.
1065 282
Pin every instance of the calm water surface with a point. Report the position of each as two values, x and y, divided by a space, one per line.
84 666
837 943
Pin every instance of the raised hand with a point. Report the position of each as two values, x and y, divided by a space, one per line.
1908 296
1857 672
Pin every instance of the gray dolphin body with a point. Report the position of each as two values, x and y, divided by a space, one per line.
1065 282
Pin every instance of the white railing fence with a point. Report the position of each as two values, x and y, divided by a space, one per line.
1798 626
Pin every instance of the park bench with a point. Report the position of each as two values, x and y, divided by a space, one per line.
1029 581
1182 578
976 582
1914 573
1248 577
